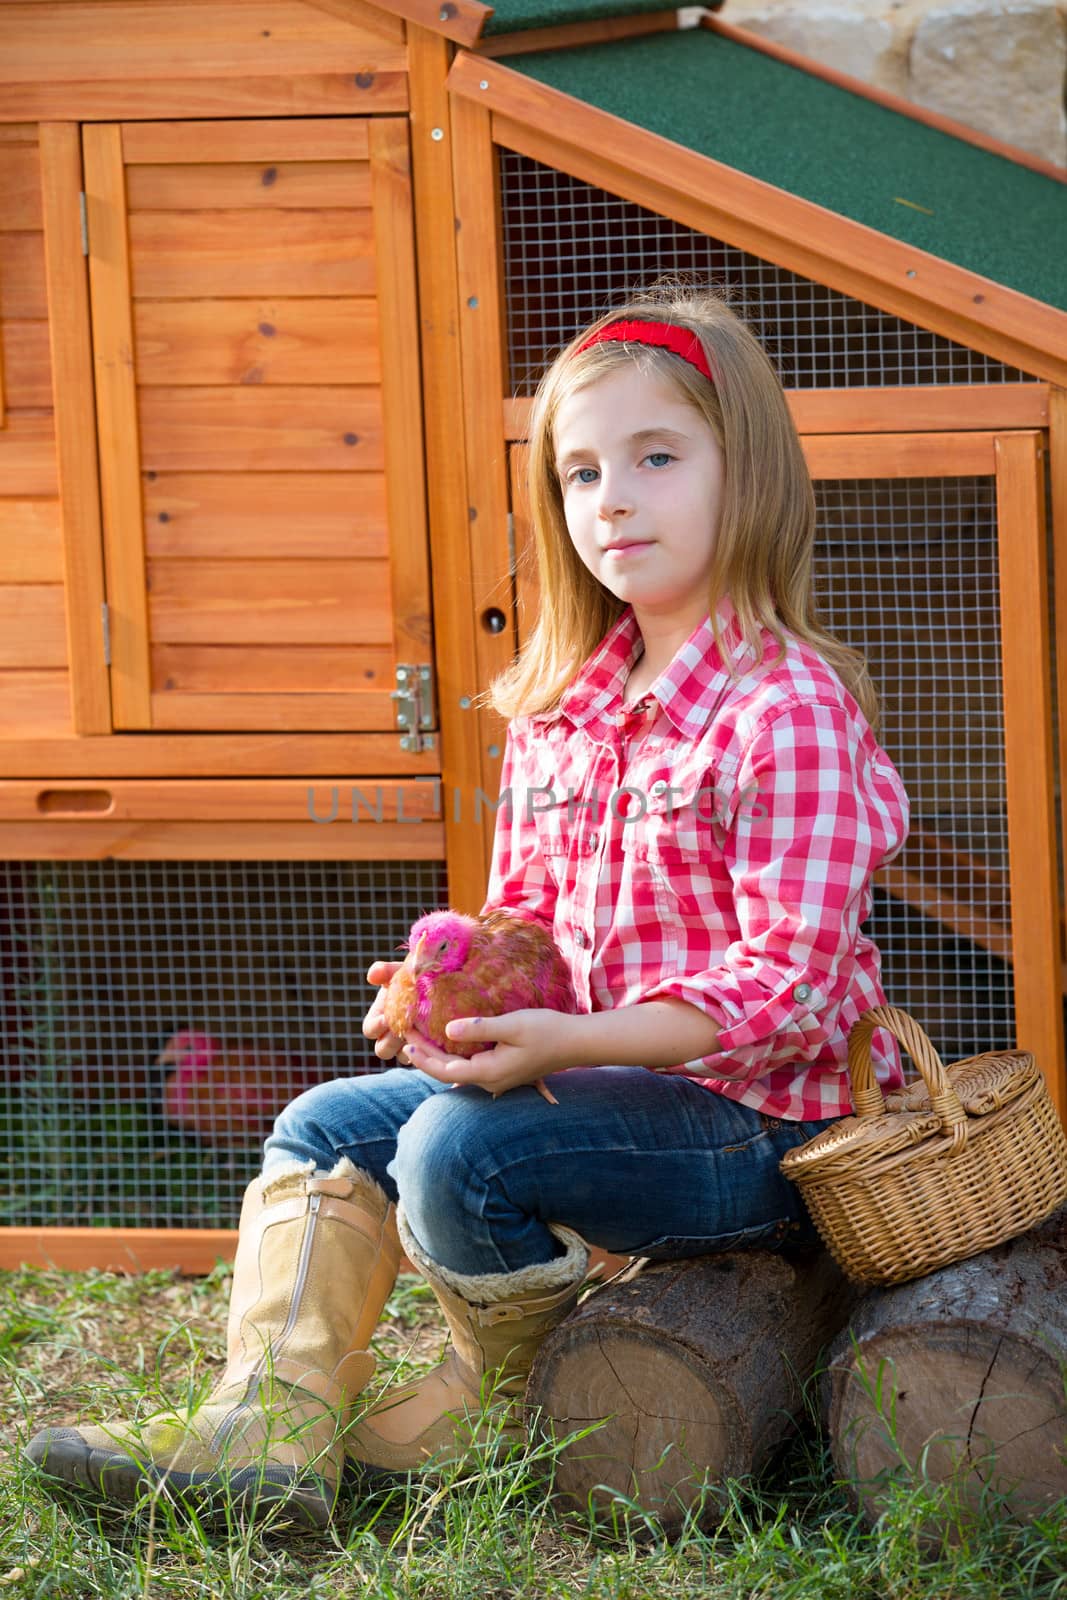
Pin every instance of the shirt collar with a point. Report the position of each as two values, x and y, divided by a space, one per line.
688 690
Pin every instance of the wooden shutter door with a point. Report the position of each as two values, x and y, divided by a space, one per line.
256 349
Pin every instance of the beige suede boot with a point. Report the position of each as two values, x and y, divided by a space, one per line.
497 1321
317 1257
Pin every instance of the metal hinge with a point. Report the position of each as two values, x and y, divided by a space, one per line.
105 621
414 705
83 212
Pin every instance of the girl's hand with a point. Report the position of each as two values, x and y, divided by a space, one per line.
374 1024
527 1044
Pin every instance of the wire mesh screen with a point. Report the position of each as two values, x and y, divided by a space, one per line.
907 572
155 1016
571 252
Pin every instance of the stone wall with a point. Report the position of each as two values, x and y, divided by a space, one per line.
998 65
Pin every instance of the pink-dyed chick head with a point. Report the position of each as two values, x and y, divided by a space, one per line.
188 1049
440 941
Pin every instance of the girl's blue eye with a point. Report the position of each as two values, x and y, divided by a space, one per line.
584 475
659 458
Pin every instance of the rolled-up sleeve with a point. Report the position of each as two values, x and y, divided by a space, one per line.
518 878
812 816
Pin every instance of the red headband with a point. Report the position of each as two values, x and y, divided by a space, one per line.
666 334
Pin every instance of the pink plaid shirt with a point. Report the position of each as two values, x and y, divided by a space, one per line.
714 842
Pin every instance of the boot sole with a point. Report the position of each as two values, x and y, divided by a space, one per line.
63 1454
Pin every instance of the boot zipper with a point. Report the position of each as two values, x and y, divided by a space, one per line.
229 1422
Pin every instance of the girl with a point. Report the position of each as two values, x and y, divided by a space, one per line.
694 803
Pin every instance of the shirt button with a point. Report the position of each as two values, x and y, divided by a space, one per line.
802 991
581 938
659 787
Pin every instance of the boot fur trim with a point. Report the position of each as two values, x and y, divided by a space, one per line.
287 1171
492 1288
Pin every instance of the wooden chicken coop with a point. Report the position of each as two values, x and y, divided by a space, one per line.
277 278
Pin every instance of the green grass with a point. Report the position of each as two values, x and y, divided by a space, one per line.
93 1345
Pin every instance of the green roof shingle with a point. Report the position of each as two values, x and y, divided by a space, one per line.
513 16
829 145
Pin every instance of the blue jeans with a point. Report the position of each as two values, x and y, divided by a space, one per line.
636 1162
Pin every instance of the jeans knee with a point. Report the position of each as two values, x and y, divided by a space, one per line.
437 1153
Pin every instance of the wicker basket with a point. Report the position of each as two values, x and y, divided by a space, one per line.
968 1157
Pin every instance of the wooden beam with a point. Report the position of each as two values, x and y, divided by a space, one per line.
398 315
75 419
963 407
274 754
1028 755
568 35
717 200
1057 451
320 802
462 20
484 343
455 650
899 455
192 1251
119 433
87 840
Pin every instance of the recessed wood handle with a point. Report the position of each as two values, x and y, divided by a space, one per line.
75 802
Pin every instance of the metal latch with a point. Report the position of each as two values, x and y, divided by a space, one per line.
414 705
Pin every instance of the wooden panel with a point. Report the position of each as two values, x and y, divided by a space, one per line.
364 14
176 755
22 284
28 457
398 312
340 139
278 713
275 669
147 39
281 186
483 342
32 626
27 365
18 133
31 549
222 800
222 841
75 420
808 239
20 189
181 254
256 341
116 405
1028 751
302 514
899 455
456 652
265 602
325 94
286 429
33 705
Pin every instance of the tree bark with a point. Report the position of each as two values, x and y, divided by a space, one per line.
698 1367
958 1379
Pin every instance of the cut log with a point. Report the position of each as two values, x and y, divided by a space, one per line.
698 1367
958 1379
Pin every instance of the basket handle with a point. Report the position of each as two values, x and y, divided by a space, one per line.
867 1095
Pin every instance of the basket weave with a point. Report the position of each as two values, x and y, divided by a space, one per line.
968 1157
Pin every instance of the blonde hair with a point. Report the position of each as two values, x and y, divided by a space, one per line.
763 552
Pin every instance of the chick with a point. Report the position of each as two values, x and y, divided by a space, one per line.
460 966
